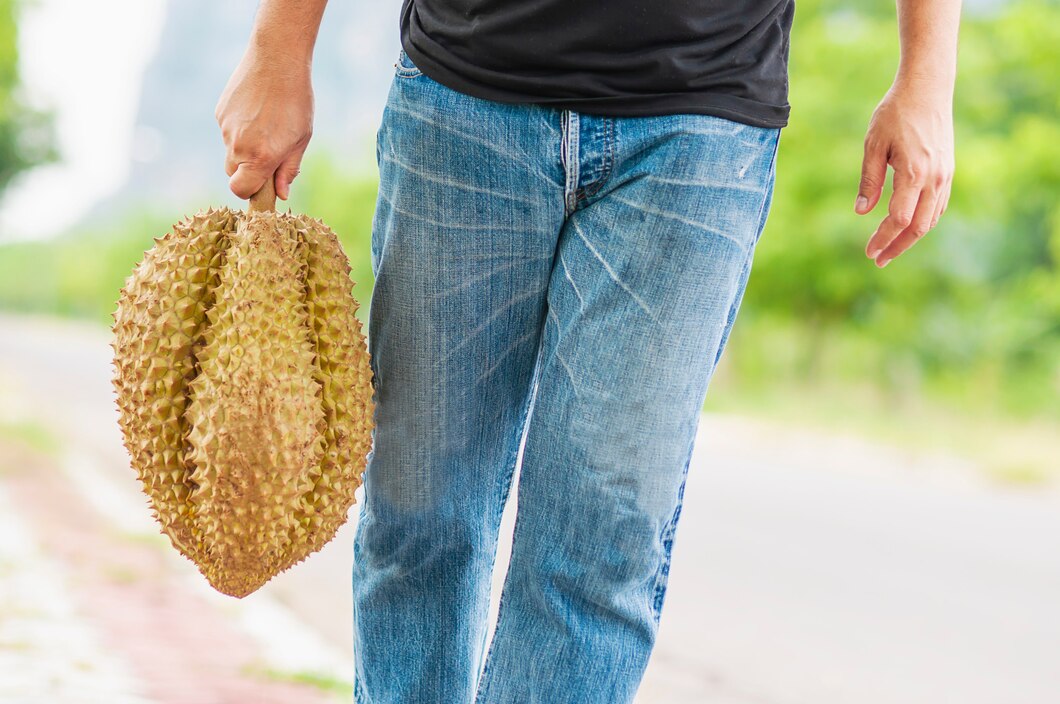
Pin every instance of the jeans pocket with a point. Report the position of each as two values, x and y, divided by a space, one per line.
404 67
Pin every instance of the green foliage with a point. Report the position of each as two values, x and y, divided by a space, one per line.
81 273
26 138
970 315
321 681
31 434
973 310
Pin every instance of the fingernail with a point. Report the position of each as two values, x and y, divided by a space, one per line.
871 254
861 203
883 262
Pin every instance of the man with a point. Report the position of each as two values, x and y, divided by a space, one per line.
570 196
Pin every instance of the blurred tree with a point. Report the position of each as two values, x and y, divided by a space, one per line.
976 304
26 137
971 314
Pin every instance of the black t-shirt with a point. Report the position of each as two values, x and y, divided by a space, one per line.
610 57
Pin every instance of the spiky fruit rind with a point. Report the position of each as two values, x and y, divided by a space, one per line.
245 390
157 326
342 360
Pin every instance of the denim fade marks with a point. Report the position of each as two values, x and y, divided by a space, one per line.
566 276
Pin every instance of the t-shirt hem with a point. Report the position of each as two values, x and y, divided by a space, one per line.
649 105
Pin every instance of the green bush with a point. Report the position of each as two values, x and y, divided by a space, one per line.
80 274
971 312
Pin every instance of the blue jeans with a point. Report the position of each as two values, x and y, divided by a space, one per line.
574 277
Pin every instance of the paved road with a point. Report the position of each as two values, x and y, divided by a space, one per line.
806 569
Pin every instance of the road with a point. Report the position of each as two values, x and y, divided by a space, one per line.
807 568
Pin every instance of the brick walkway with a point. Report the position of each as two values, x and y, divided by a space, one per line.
91 613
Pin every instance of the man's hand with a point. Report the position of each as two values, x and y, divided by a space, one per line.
912 130
266 119
266 110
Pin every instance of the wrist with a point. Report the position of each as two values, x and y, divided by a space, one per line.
285 54
930 84
268 60
937 72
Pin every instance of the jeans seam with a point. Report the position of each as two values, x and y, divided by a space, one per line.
609 142
769 173
763 214
569 148
668 540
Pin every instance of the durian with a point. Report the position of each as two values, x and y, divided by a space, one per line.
244 390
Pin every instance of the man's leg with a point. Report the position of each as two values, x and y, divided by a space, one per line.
470 203
650 270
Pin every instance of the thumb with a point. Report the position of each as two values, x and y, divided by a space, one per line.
248 180
873 176
287 172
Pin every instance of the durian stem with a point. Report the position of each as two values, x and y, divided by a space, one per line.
264 201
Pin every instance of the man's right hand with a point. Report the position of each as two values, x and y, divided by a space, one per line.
266 119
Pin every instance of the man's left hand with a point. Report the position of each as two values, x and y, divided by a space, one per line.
912 130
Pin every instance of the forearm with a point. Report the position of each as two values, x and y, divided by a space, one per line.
285 31
266 110
927 32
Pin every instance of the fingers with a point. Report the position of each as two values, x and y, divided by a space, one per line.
248 169
940 206
230 163
917 228
916 206
900 212
944 200
251 158
248 179
873 175
287 172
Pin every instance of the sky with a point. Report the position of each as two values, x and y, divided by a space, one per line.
84 60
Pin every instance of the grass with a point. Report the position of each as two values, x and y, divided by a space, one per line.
317 680
123 575
15 646
151 540
1005 421
1009 450
30 434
